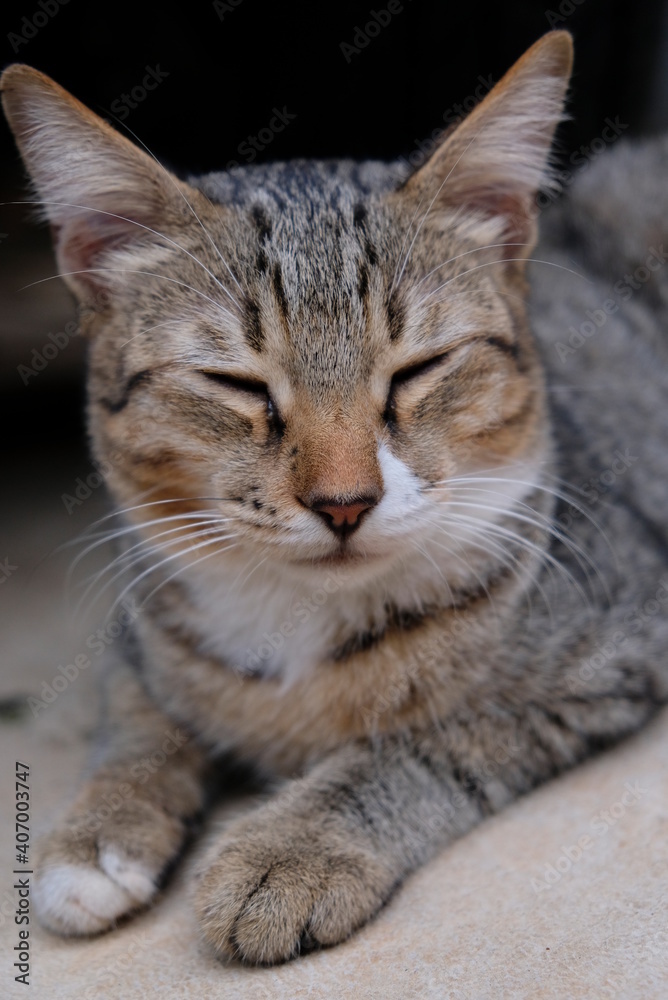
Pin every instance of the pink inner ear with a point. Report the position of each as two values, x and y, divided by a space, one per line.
83 242
515 211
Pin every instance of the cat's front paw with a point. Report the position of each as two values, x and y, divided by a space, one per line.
275 889
93 870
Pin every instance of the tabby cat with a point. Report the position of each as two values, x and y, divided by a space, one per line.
356 545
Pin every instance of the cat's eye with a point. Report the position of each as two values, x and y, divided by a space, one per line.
251 387
408 374
420 368
235 382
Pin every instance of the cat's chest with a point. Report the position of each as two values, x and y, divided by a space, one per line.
267 624
281 725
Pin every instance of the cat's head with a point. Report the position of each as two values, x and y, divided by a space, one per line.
313 353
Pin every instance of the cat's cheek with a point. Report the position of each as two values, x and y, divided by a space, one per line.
426 457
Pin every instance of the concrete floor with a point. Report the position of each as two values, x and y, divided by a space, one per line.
469 926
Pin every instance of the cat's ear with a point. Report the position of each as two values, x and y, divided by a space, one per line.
97 189
495 160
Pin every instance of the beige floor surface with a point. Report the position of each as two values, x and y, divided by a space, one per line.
469 926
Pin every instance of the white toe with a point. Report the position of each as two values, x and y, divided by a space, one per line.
79 899
131 875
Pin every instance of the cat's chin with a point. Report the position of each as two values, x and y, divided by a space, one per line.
335 559
357 569
342 559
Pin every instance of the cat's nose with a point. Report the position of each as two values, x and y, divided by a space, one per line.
342 517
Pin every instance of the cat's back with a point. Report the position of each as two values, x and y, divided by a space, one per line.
599 309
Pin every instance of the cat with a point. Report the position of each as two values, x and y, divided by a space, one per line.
353 476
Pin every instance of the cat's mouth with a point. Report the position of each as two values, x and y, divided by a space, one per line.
343 557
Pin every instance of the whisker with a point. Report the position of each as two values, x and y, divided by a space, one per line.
152 503
172 181
438 569
559 494
441 545
439 521
182 569
238 583
137 558
543 524
451 260
129 270
431 203
145 541
504 260
112 533
148 329
152 569
103 537
543 554
506 558
148 229
401 249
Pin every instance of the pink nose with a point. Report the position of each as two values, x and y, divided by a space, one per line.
342 518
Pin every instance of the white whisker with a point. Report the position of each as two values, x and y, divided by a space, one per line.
431 203
173 182
489 246
148 229
542 523
152 569
102 537
503 555
129 270
503 260
144 550
182 569
512 536
209 522
148 329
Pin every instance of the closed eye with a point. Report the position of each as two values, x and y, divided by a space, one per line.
420 368
251 387
237 383
405 375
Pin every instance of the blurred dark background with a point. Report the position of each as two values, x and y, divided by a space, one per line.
217 72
